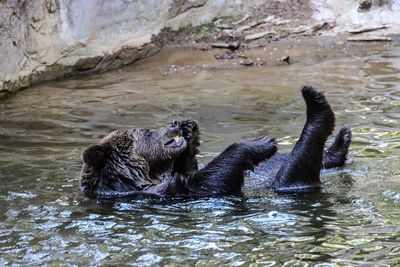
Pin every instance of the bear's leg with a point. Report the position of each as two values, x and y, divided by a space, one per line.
224 175
335 155
302 169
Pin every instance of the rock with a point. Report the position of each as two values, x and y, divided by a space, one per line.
229 56
322 26
246 63
269 19
369 38
249 26
259 62
85 64
279 22
231 46
246 17
52 6
367 29
364 5
258 35
285 59
225 56
180 6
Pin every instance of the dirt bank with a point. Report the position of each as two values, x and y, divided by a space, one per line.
50 39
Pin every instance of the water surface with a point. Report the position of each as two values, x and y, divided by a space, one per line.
354 221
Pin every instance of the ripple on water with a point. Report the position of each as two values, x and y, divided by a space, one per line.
353 221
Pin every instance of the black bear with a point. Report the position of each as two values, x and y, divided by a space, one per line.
163 162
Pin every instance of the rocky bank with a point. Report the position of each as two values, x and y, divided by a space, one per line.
48 39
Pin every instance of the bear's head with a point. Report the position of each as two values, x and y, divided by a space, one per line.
130 160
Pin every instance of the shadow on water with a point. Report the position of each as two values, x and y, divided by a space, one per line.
353 221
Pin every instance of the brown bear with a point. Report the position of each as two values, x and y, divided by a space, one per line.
163 162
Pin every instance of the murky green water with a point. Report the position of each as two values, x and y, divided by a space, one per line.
355 220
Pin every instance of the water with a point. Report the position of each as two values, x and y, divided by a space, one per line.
353 221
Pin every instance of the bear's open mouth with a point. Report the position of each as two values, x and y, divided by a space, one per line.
175 142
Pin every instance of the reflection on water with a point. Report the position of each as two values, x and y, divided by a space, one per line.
354 221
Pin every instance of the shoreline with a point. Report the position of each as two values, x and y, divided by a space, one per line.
232 34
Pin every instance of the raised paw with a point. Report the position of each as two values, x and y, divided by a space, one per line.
187 163
189 127
319 113
191 133
345 133
261 148
336 154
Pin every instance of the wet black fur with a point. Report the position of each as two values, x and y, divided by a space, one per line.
299 171
224 175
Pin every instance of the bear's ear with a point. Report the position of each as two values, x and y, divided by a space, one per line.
96 156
